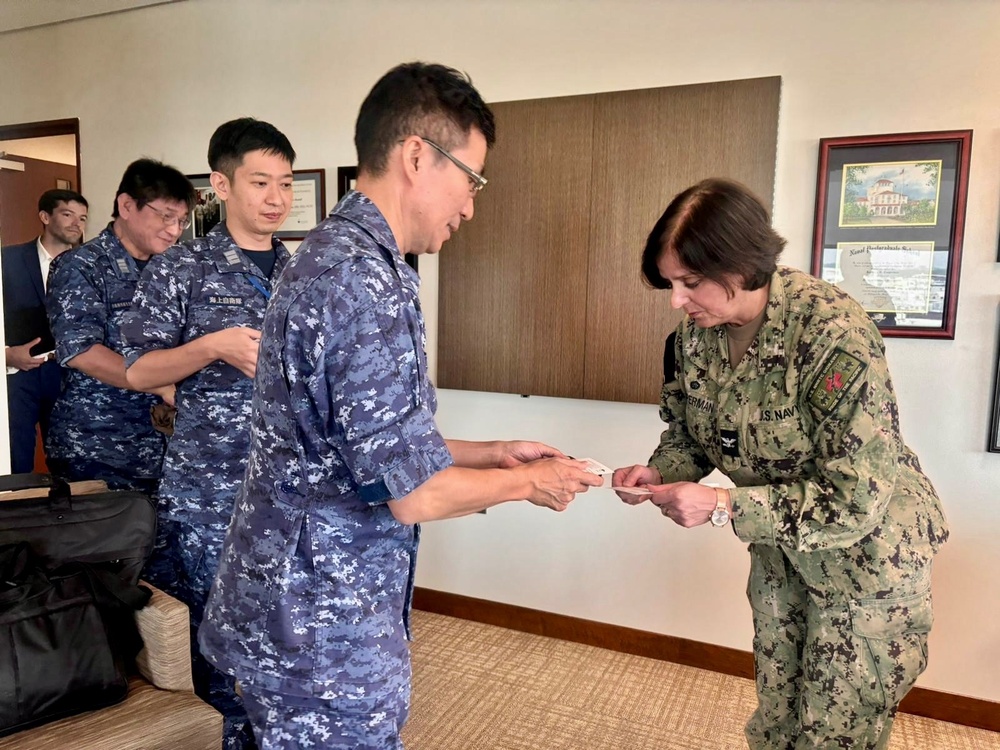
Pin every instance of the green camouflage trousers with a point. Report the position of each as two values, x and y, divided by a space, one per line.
831 671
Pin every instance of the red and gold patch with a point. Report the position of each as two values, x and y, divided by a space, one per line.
841 372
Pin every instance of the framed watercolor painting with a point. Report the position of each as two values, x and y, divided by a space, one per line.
890 215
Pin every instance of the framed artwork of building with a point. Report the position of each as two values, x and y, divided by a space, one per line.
890 215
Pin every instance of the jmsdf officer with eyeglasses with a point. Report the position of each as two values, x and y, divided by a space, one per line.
101 426
310 608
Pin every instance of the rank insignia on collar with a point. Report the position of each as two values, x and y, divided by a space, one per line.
841 372
730 441
123 265
232 257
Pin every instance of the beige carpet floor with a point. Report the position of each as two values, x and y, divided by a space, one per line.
478 687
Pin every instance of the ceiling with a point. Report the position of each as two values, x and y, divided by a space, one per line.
60 149
24 14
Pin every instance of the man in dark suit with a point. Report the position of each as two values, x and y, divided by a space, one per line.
33 376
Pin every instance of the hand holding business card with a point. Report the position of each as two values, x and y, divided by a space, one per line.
594 466
638 491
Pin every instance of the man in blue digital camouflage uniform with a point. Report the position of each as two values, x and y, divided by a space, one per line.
196 321
310 609
101 426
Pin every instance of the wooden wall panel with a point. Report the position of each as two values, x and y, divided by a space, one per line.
648 146
513 281
541 293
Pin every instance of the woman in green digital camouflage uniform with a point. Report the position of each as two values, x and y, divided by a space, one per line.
779 380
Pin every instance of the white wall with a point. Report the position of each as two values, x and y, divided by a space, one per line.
157 81
23 14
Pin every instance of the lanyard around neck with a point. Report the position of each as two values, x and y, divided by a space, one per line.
259 286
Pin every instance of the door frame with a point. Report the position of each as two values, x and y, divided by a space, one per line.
43 129
67 126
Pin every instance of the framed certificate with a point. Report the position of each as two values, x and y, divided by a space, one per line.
308 204
890 214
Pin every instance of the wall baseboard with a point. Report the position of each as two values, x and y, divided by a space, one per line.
933 704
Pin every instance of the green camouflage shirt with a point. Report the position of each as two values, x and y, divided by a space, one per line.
806 426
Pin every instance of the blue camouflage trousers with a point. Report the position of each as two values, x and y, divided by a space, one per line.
183 564
368 720
831 674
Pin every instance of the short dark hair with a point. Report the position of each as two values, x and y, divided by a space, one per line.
419 99
232 140
148 180
52 198
719 229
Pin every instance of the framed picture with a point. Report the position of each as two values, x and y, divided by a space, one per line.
993 444
208 209
347 178
308 204
890 214
62 184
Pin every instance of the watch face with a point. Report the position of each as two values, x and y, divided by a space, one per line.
720 517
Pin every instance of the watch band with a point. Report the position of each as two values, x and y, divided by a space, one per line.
721 515
721 497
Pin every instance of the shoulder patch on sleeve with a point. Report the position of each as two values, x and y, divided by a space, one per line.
840 373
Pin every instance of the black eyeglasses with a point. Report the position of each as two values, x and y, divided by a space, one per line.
169 219
476 180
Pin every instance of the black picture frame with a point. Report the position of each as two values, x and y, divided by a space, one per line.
890 219
308 204
208 210
347 178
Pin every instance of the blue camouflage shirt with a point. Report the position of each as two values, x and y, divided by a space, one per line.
89 292
314 586
200 287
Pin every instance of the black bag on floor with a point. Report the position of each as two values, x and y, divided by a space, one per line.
68 572
66 637
114 528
